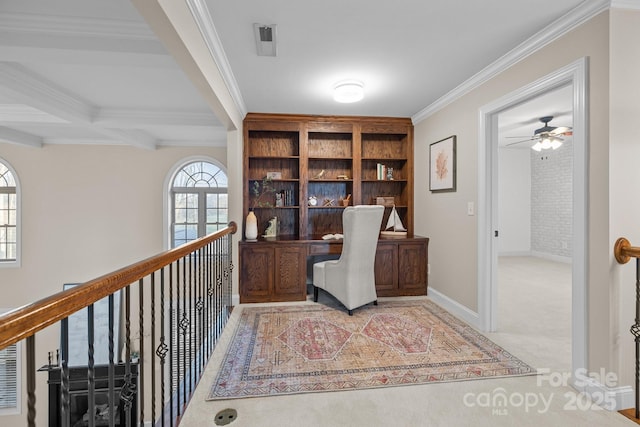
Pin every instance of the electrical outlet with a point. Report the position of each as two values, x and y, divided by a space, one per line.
470 209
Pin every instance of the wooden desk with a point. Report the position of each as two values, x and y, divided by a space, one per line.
276 269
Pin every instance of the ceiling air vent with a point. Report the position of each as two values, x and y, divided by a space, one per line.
265 39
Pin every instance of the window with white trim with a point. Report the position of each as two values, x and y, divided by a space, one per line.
199 202
10 379
8 215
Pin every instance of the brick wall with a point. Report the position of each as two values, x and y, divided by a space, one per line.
551 201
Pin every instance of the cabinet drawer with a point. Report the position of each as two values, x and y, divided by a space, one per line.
324 248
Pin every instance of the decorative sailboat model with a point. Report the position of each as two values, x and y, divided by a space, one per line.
394 227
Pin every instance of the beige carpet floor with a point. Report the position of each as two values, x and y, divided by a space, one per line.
530 400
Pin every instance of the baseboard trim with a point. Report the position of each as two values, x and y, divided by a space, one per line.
514 253
609 398
551 257
235 299
455 308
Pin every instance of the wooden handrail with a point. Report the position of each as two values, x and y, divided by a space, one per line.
25 321
623 251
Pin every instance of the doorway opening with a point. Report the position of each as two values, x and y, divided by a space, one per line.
535 193
573 76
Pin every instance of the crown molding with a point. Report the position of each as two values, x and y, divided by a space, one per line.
193 143
75 26
551 32
202 17
625 4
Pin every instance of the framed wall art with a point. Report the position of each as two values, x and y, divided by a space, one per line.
442 165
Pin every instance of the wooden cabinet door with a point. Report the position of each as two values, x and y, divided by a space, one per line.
412 268
290 273
256 273
386 269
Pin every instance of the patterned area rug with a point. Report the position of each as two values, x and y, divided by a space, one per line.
315 348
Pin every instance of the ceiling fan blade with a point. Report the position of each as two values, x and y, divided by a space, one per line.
523 136
519 142
560 130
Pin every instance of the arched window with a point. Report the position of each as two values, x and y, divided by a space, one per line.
199 201
9 240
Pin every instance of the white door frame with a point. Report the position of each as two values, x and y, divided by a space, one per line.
576 75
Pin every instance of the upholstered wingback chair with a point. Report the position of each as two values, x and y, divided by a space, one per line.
350 279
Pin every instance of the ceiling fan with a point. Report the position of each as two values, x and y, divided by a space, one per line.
547 136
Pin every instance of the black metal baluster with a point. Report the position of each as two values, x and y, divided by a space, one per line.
219 264
179 331
192 324
65 416
153 347
171 345
127 392
635 330
229 242
31 380
91 370
184 328
210 296
200 307
217 287
205 296
111 369
162 349
141 351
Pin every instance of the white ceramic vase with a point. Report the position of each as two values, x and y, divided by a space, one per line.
251 227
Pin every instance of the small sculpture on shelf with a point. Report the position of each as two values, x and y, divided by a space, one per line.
272 228
345 201
319 175
328 202
313 201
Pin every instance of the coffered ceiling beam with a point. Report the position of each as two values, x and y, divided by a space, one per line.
13 136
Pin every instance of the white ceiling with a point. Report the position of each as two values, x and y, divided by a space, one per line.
91 71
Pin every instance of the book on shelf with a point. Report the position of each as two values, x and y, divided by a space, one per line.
383 172
284 198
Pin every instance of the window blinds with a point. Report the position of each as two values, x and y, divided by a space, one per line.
9 378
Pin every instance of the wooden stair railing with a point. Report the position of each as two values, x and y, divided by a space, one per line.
197 276
623 251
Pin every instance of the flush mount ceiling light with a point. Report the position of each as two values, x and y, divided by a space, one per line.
348 91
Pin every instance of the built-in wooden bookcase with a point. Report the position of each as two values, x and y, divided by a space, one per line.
381 146
330 158
269 151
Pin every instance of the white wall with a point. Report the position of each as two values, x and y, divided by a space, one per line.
514 200
552 202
